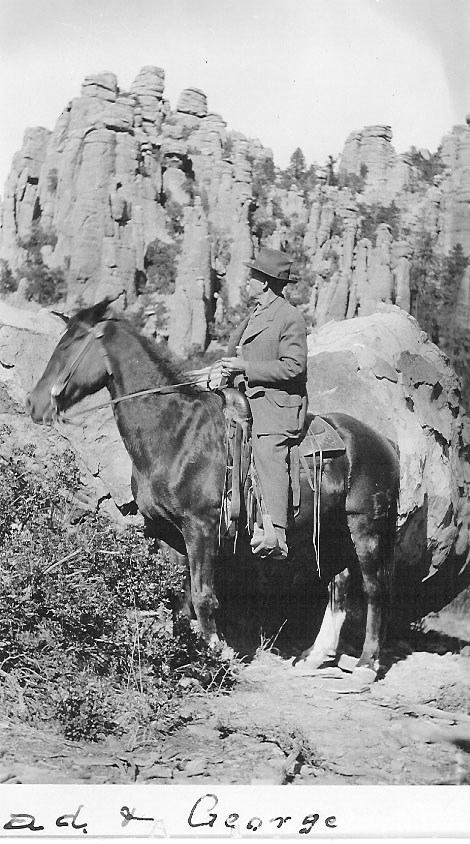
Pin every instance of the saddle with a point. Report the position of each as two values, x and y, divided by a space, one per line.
318 441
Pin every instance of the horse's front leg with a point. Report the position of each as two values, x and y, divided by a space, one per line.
200 536
180 563
169 537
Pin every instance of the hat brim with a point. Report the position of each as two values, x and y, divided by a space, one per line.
253 266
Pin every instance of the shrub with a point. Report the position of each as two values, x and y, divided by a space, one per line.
298 173
337 226
160 264
222 245
44 285
332 178
86 612
263 177
262 226
175 214
373 215
352 181
37 239
52 180
427 166
8 282
204 197
425 268
435 282
227 148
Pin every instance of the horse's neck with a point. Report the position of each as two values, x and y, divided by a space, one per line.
132 366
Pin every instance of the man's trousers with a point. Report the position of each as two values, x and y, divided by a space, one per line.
271 458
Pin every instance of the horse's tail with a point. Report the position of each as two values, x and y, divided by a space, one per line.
389 558
390 545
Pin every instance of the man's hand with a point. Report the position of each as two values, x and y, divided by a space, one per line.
232 366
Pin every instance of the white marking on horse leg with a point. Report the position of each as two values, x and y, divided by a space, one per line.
325 646
214 641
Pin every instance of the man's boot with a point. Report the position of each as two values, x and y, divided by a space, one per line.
269 541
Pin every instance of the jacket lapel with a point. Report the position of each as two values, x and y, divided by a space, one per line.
261 320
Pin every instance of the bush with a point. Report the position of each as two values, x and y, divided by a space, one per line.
52 180
352 181
435 282
44 285
428 167
175 214
298 173
160 264
262 226
8 282
86 612
37 239
227 148
263 177
373 215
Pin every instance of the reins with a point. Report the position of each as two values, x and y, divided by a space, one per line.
167 388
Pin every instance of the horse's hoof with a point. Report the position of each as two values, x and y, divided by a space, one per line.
309 662
227 654
364 674
214 642
347 663
325 672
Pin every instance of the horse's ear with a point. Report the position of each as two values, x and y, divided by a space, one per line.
105 307
64 317
100 309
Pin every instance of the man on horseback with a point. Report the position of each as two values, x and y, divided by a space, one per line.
269 348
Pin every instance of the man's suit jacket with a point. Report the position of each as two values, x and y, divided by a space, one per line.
273 342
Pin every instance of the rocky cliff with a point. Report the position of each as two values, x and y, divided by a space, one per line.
121 174
129 194
362 232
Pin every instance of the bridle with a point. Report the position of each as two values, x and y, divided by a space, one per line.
58 388
96 332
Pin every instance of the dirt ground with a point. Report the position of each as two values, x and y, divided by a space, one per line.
277 726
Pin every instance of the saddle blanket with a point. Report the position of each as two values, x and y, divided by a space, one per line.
319 436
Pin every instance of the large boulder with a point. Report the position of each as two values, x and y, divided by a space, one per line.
385 371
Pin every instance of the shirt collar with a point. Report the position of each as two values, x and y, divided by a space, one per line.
267 304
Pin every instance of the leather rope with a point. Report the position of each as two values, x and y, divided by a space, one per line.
314 481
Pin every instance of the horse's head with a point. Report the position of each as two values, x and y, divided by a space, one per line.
78 366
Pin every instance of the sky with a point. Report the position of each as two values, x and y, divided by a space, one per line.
293 73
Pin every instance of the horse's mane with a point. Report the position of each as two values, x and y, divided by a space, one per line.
158 354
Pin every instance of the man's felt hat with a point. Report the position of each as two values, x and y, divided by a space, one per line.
273 264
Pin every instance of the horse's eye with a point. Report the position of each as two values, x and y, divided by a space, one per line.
68 339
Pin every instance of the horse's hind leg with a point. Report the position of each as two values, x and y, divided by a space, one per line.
371 548
326 643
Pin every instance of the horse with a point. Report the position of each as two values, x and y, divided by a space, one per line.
175 434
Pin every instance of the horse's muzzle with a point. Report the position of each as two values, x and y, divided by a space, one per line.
38 415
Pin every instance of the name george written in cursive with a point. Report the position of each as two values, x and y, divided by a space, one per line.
202 814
